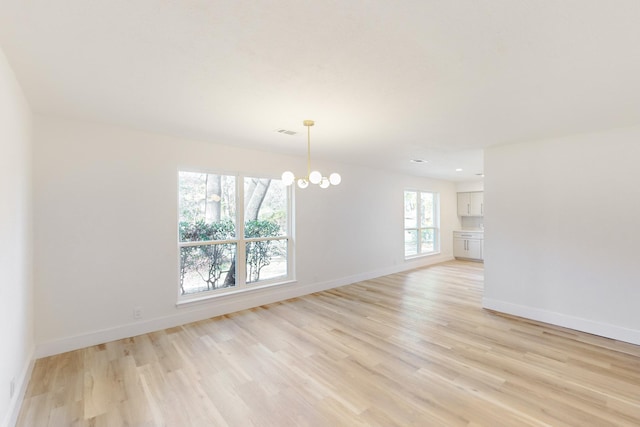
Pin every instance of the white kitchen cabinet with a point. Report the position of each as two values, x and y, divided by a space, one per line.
468 245
471 204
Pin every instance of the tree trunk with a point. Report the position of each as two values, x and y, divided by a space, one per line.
253 201
230 278
212 198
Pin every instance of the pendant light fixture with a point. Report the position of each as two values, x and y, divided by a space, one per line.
313 177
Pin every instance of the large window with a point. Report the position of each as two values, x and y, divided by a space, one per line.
218 251
421 223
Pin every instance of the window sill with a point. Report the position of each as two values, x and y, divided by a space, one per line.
414 257
247 290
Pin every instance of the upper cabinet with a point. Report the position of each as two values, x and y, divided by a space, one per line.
471 204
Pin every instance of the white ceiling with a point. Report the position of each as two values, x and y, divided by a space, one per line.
385 81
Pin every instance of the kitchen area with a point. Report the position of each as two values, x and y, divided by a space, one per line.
468 240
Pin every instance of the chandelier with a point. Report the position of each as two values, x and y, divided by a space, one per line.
313 177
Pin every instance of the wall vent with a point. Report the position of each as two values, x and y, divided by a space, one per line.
286 132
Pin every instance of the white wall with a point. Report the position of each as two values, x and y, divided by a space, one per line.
562 231
16 299
468 186
105 229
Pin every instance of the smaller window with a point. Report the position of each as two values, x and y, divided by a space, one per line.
421 223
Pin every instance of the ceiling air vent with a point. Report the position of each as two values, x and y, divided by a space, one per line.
286 132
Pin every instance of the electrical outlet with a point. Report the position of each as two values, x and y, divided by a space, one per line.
137 312
12 387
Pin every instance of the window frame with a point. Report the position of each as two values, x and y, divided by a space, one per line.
419 228
241 285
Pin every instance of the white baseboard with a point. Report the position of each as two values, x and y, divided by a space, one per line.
15 404
219 306
619 333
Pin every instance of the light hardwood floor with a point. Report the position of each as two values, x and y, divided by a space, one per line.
410 349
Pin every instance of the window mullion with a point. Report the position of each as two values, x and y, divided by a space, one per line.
264 239
419 220
290 227
241 248
205 243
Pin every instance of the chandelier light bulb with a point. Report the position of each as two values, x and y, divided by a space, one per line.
335 178
315 177
324 183
288 178
303 183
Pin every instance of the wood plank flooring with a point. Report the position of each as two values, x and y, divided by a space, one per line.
410 349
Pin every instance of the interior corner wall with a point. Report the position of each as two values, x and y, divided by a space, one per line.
562 232
16 299
105 224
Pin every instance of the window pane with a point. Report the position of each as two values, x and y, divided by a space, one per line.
410 209
410 242
426 214
265 207
427 240
207 267
207 206
266 260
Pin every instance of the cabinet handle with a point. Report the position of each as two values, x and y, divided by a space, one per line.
468 208
482 208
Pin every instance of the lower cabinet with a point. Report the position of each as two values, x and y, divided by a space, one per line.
468 245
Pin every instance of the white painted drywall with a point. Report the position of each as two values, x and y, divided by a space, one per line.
105 228
468 186
16 288
562 231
